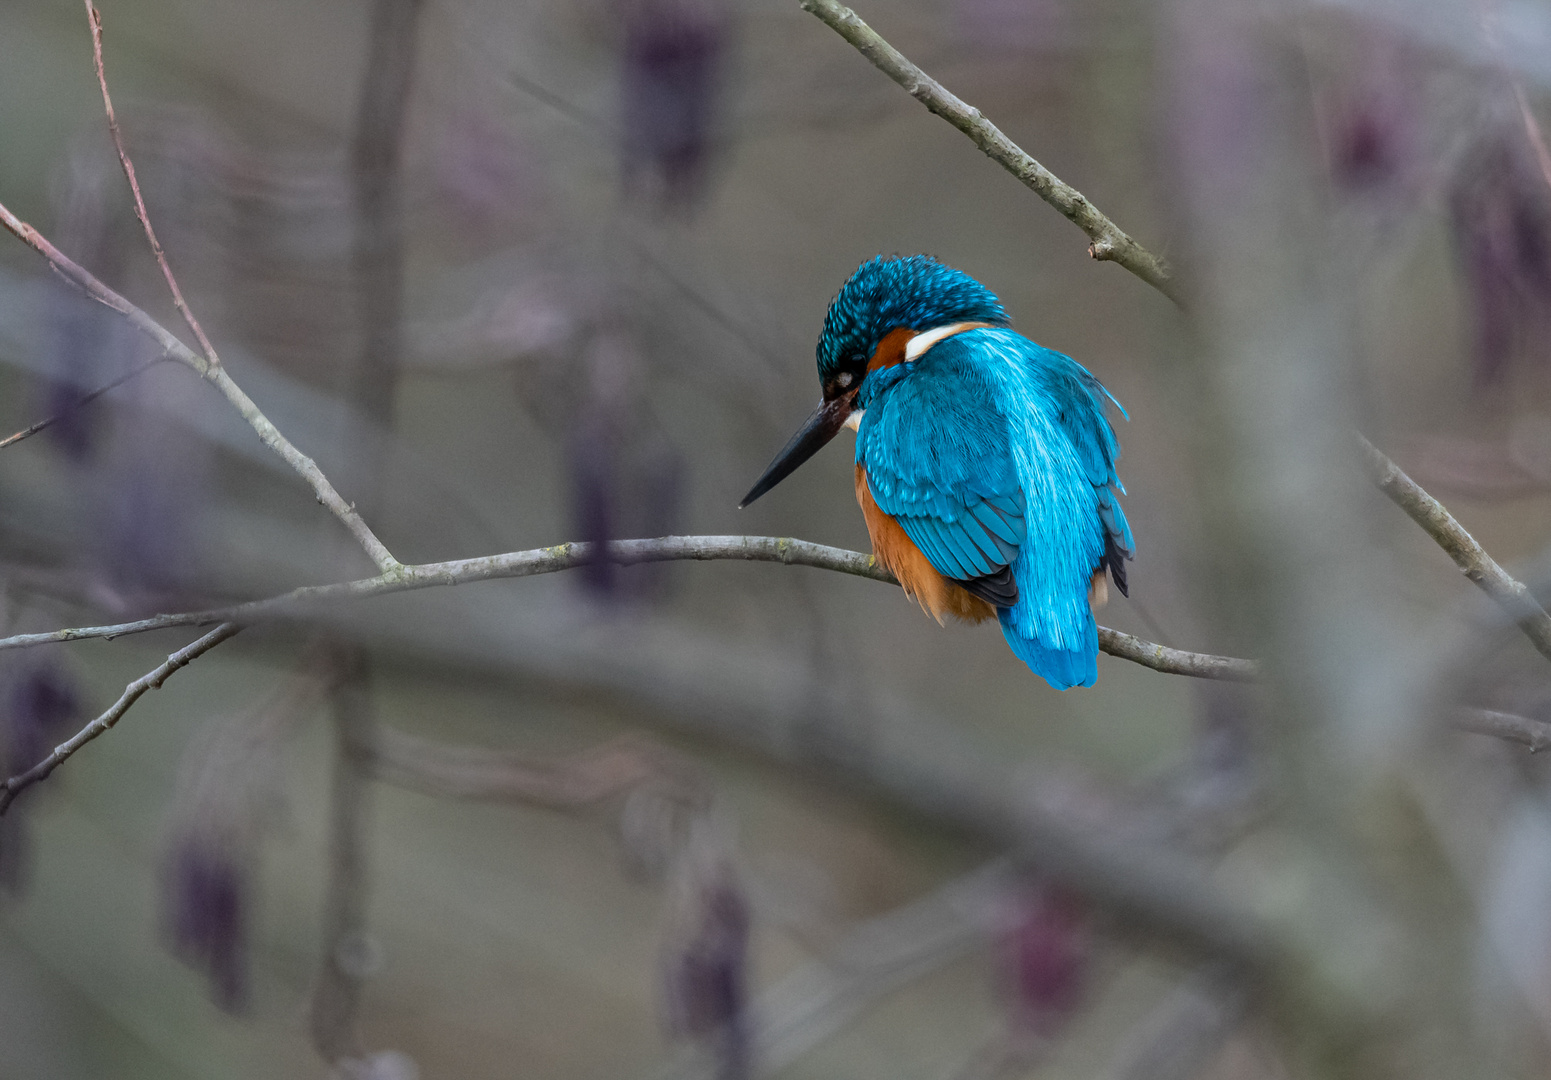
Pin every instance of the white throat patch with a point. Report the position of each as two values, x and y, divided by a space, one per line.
918 345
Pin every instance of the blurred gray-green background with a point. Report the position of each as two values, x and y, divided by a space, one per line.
623 221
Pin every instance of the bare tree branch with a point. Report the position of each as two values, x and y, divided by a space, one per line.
1525 730
81 402
151 680
94 17
213 373
1169 661
1469 556
1109 242
622 553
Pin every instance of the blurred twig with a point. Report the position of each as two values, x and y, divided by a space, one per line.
72 272
571 783
1460 546
1109 242
378 265
94 17
874 959
151 680
336 997
81 402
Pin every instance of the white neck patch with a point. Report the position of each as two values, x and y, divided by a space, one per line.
918 345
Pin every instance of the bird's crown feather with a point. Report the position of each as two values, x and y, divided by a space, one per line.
888 292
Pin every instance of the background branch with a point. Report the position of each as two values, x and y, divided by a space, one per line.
378 273
1434 518
151 680
1109 242
570 783
270 435
94 18
81 402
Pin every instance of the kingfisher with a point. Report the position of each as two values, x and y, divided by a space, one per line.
985 464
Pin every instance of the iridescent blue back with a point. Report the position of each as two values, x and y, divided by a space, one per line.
992 452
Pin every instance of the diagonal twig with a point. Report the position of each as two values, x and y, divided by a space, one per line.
575 782
1434 518
151 680
94 17
215 374
1109 242
80 402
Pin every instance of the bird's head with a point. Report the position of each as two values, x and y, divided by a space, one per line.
881 307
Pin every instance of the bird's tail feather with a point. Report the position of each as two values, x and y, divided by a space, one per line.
1061 668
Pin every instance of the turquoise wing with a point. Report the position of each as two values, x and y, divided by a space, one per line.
941 465
996 458
1080 399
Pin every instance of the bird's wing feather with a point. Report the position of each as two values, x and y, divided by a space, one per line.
1081 416
940 463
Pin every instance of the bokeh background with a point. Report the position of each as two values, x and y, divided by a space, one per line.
622 221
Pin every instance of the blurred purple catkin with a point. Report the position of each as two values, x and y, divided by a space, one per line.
672 59
205 886
626 479
225 798
705 970
41 707
1371 119
1500 212
43 704
1365 145
1046 952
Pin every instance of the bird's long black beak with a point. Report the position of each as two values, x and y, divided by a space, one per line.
822 426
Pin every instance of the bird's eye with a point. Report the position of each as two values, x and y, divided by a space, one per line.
844 379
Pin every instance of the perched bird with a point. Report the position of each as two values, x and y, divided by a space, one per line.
985 466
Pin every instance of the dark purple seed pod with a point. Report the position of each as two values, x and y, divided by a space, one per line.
1047 953
705 971
672 58
43 704
1500 216
205 907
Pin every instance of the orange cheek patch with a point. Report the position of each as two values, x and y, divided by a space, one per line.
899 556
891 350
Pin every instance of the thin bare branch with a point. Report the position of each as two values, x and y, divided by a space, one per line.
622 553
571 783
80 402
94 17
1469 556
1108 241
151 680
1525 730
72 272
1177 661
